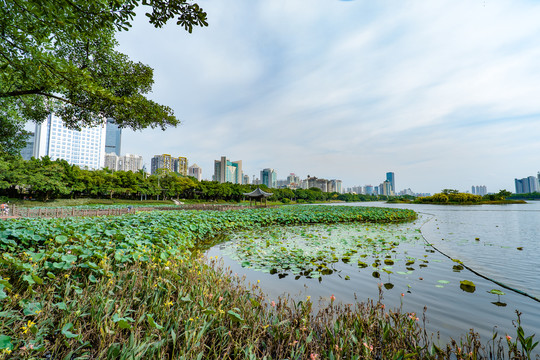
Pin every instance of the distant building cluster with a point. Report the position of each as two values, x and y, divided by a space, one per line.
128 162
168 163
387 187
527 185
89 148
226 170
479 190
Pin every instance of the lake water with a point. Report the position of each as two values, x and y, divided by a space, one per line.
500 242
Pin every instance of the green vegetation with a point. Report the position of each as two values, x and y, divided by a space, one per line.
311 251
528 196
59 57
454 197
45 180
132 287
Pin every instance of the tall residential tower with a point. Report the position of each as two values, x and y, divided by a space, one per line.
85 148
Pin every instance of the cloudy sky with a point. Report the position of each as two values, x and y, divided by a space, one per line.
446 94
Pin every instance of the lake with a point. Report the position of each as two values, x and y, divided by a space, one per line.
499 242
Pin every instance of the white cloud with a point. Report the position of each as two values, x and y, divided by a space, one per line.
352 89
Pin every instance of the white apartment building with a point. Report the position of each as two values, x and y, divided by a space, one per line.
84 148
128 162
195 171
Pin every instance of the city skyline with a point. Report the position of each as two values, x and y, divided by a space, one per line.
351 89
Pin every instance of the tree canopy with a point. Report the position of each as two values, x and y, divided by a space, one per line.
58 56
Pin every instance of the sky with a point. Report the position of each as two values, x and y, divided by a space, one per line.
445 94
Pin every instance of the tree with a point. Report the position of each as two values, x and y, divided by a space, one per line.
58 56
503 194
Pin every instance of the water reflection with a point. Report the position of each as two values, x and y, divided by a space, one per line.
477 237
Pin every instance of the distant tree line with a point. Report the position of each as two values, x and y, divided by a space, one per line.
450 196
527 196
45 179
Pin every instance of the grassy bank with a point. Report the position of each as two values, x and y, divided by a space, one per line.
132 287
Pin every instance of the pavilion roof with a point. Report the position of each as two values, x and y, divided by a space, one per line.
258 193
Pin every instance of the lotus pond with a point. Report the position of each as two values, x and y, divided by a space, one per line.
352 261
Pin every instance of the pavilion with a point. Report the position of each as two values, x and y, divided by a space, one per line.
258 194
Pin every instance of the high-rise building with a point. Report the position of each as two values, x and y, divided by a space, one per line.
386 188
113 137
28 151
269 177
246 180
195 171
391 179
128 162
84 148
527 185
180 165
368 190
335 186
228 171
479 190
111 161
161 162
166 162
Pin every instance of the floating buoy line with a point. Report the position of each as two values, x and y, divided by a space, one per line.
503 285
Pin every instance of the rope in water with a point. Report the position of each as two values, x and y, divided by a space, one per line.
471 269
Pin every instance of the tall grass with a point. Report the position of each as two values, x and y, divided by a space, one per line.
193 309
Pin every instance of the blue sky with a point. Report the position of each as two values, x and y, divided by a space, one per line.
446 94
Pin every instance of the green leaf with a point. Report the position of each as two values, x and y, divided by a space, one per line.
61 305
32 308
152 323
66 331
467 286
234 316
5 343
37 279
61 239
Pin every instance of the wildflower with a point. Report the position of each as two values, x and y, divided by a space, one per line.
29 325
309 297
508 337
6 351
369 347
168 303
313 356
382 306
332 298
220 299
258 281
402 294
66 276
273 303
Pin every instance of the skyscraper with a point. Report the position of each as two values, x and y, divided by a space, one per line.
195 171
391 179
28 151
113 137
269 177
228 171
85 148
167 162
128 162
527 185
